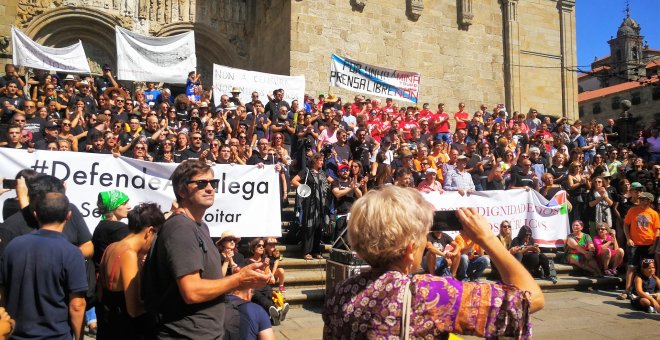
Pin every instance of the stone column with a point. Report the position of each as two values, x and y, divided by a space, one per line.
569 93
512 79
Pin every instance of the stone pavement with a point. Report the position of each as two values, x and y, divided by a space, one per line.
567 315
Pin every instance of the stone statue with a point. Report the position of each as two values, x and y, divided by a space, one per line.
415 8
625 106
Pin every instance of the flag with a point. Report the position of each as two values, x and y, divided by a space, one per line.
559 200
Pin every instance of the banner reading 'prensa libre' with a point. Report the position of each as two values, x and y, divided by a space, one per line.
157 59
28 53
246 201
225 78
373 80
548 219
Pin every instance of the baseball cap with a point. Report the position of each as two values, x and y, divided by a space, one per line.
431 170
462 157
342 167
636 186
647 195
51 125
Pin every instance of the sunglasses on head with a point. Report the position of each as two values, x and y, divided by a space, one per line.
202 183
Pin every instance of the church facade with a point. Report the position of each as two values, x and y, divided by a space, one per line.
516 52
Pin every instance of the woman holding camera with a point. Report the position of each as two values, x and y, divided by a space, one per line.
525 250
388 229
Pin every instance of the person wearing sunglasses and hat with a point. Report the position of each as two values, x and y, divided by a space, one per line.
642 230
231 258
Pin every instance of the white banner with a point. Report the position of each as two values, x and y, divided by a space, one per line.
28 53
373 80
158 59
548 219
225 78
247 199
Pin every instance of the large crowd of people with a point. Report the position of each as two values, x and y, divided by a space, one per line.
333 153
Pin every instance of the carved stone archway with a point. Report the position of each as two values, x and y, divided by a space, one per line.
96 29
211 47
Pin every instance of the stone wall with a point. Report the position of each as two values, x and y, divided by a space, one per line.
456 65
457 62
647 109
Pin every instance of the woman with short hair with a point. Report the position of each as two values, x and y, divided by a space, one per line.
525 250
388 229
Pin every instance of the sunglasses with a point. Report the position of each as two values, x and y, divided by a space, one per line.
139 148
602 228
202 183
506 226
260 245
196 138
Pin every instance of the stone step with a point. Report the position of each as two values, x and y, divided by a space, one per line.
314 295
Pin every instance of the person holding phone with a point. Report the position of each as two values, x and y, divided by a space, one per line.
524 249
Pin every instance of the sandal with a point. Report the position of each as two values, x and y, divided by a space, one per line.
319 256
308 257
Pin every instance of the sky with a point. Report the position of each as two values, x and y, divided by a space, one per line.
598 20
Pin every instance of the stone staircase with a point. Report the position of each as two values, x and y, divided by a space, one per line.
305 280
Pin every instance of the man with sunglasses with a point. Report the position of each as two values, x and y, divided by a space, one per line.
189 274
642 230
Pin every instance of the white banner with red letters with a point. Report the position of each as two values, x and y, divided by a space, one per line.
548 219
374 80
28 53
247 200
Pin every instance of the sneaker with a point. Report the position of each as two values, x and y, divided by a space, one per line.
282 289
283 311
553 279
274 315
608 272
622 296
650 310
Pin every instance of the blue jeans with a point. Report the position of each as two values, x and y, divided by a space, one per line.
441 267
472 269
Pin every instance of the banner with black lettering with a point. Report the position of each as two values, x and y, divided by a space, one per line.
28 53
548 219
158 59
247 200
374 80
225 78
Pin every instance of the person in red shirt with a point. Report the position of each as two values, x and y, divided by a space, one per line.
388 106
440 124
374 125
319 105
543 133
425 113
408 123
358 105
461 117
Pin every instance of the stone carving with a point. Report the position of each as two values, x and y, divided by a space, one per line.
465 14
625 106
5 42
358 5
415 8
28 9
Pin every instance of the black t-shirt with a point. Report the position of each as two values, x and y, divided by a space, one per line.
36 126
190 153
344 203
549 193
519 179
558 172
107 232
494 185
184 247
440 242
23 222
239 259
343 152
256 159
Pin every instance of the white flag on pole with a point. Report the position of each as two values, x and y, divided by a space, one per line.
158 59
28 53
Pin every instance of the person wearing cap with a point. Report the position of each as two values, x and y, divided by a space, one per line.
51 134
105 81
459 180
430 182
232 259
642 230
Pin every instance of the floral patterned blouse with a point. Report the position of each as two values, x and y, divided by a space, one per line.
368 306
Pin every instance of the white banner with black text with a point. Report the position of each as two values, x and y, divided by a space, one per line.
157 59
548 219
247 200
28 53
225 78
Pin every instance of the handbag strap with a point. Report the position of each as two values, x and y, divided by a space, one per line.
406 310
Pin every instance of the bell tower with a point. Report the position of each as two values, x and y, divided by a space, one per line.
626 61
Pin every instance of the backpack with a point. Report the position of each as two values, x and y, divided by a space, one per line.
233 319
